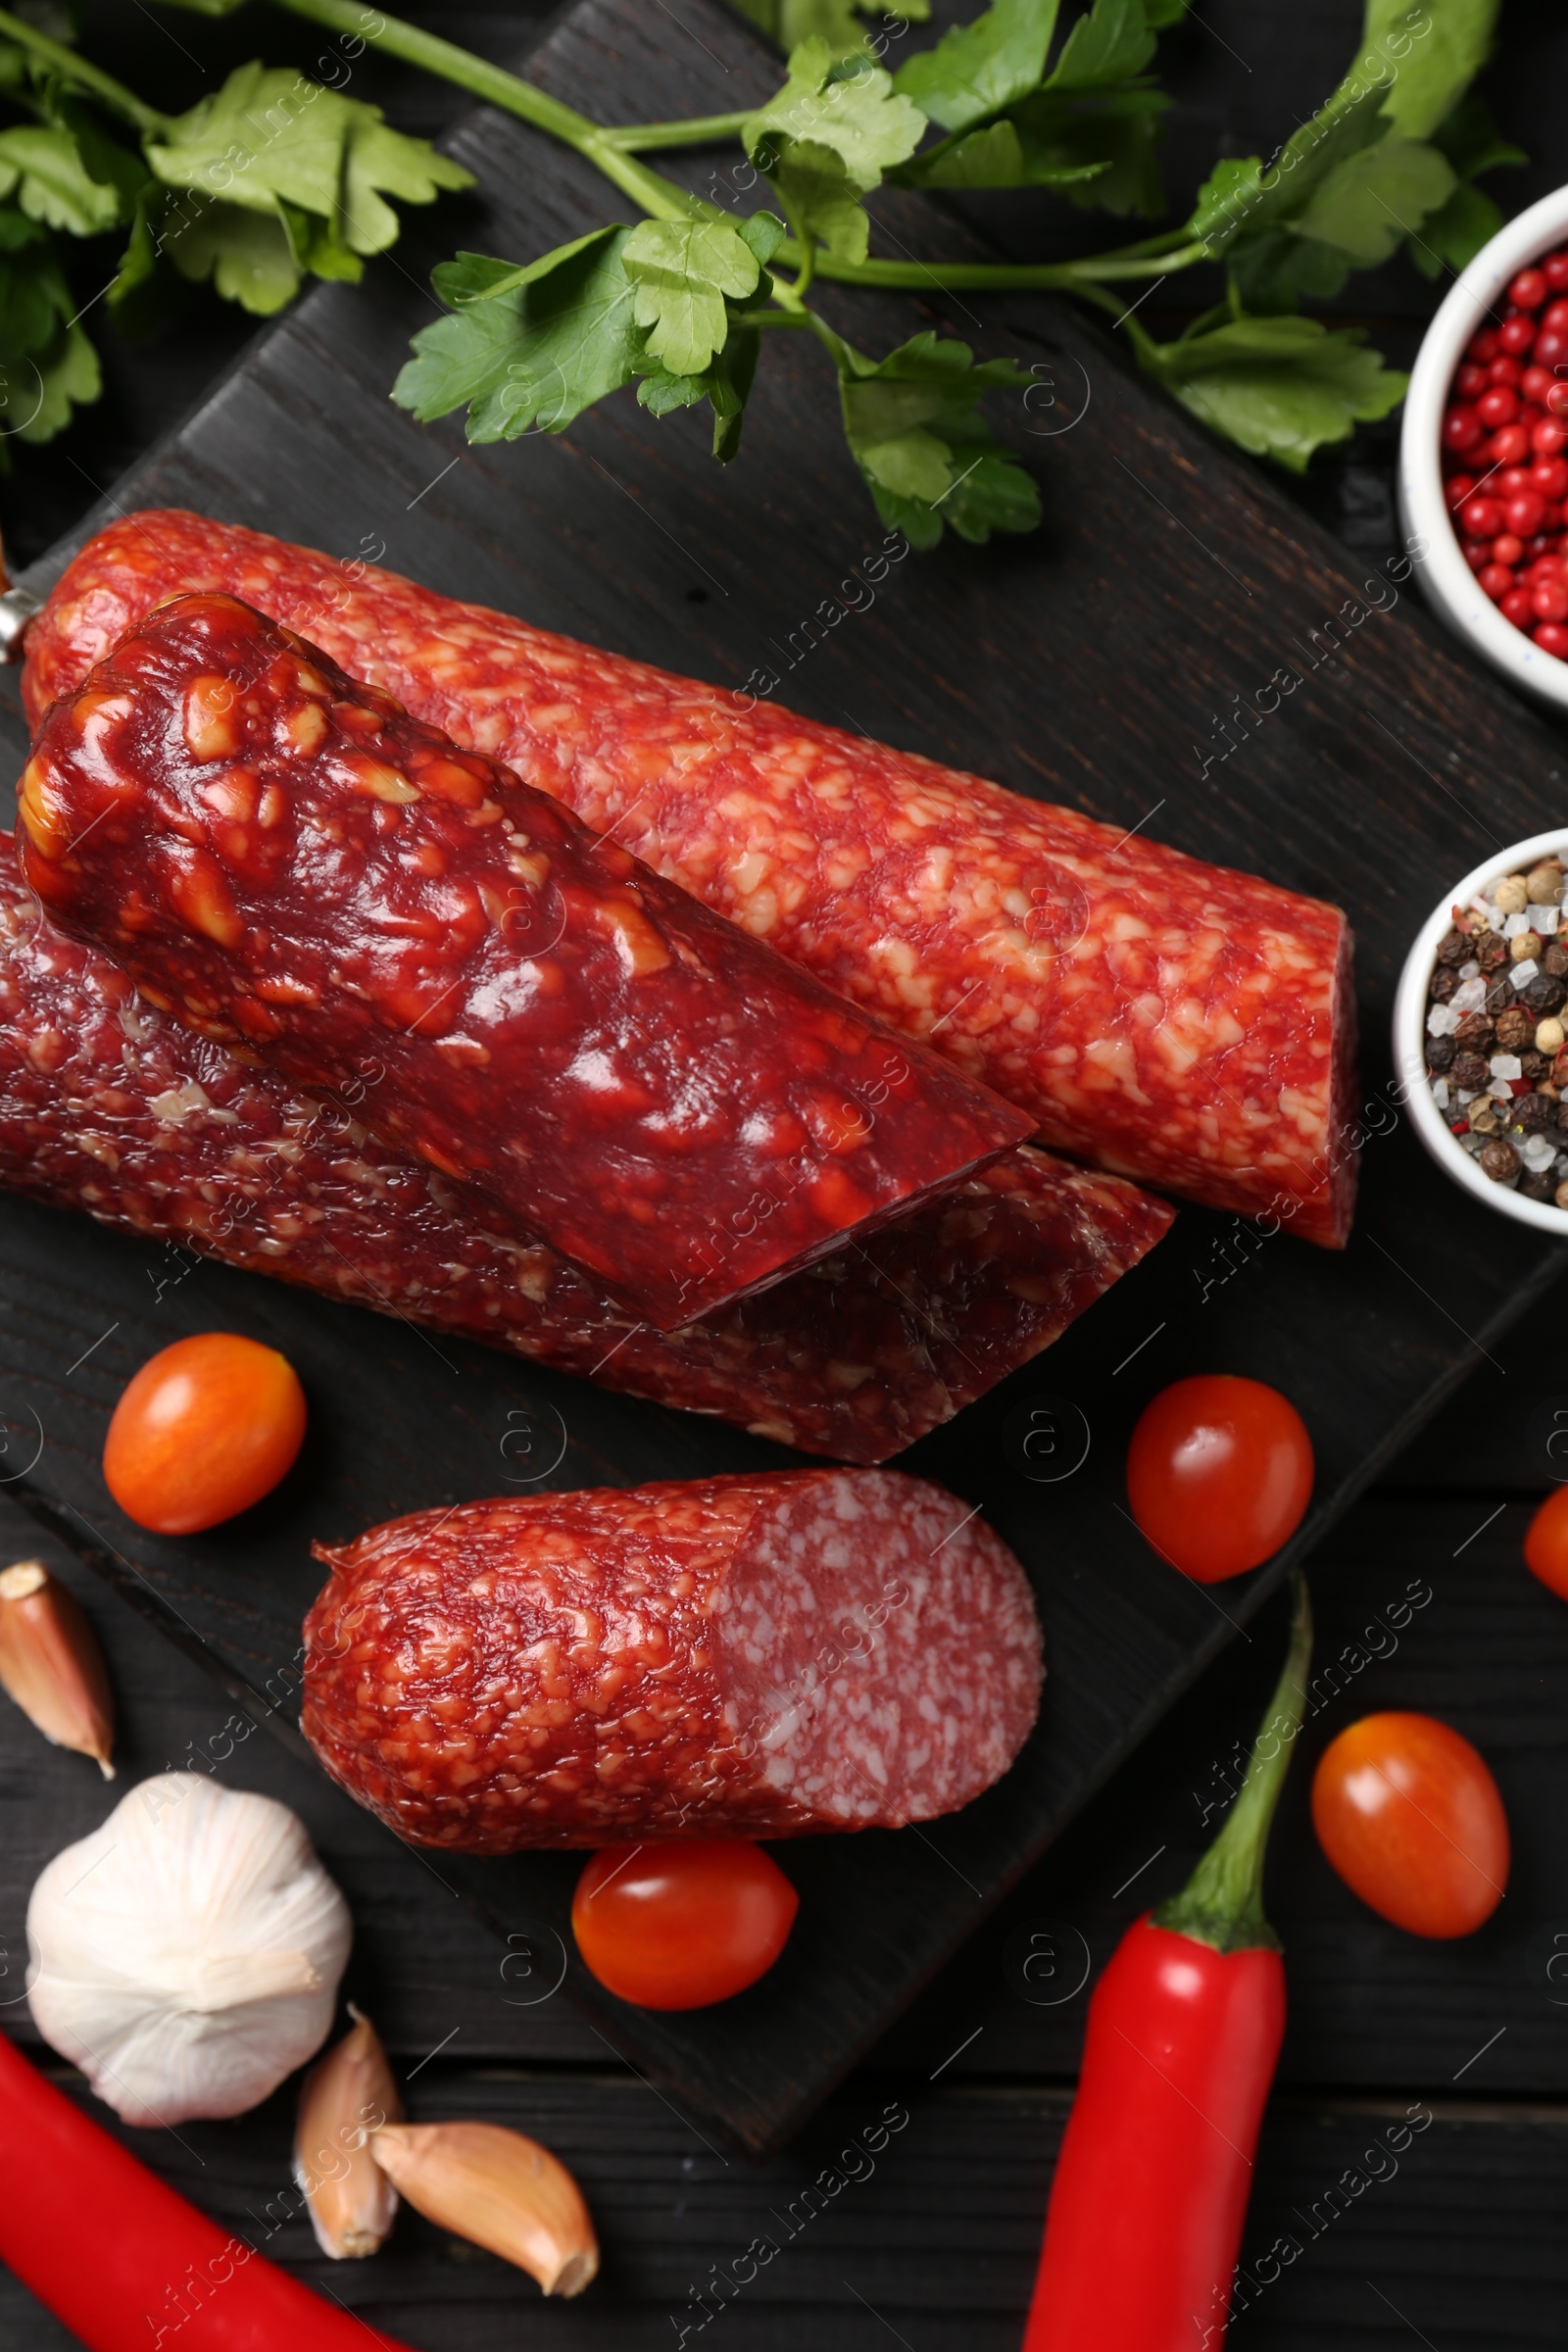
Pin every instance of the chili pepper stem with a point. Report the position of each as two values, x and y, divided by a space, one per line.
1222 1902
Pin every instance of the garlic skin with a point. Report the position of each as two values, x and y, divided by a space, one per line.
186 1955
347 2095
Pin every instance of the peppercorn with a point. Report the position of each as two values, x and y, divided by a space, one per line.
1510 895
1544 882
1536 1184
1545 992
1527 946
1551 1036
1532 1065
1534 1113
1554 959
1493 951
1445 980
1471 1072
1484 1117
1499 1160
1499 996
1441 1051
1456 947
1477 1030
1560 1195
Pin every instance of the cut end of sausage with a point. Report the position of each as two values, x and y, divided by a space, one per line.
881 1652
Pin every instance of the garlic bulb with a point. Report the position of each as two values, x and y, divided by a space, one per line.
186 1955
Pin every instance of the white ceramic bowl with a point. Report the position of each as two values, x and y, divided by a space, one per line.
1450 583
1409 1037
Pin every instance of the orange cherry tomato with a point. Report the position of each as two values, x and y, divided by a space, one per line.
1546 1543
682 1925
1410 1817
1219 1473
206 1428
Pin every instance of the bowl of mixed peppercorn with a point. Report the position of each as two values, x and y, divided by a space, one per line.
1480 1033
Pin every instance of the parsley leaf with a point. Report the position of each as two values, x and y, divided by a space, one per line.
41 163
48 366
854 112
1280 387
825 141
527 347
683 270
269 138
1377 197
927 458
1470 140
249 256
822 201
977 70
1433 50
1089 127
64 377
1112 43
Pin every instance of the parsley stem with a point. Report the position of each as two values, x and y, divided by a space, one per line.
1003 277
84 75
656 195
699 131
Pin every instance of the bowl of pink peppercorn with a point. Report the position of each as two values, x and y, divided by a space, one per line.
1484 453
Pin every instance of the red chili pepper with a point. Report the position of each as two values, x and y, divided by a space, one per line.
1155 2168
122 2260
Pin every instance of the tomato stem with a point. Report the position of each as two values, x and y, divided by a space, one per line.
1222 1902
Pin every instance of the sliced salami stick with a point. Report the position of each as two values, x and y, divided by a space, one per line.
1183 1024
748 1657
109 1105
292 866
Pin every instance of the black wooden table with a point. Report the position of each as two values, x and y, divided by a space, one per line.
932 2242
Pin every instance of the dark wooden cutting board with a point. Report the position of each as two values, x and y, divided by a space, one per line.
1087 663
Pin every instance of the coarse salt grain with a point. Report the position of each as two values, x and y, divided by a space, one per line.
1536 1152
1470 970
1469 996
1500 1090
1439 1093
1507 1066
1442 1021
1543 918
1523 973
1516 926
1466 1095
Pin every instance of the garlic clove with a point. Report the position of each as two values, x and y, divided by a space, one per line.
51 1664
498 2189
348 2094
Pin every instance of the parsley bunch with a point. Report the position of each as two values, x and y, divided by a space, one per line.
263 184
679 304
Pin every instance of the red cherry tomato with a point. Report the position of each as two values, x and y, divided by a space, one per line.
1219 1473
206 1429
1409 1814
682 1925
1546 1543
